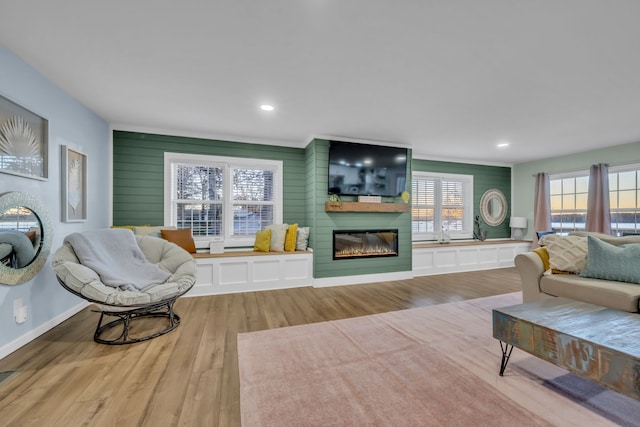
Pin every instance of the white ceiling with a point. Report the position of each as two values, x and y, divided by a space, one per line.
450 78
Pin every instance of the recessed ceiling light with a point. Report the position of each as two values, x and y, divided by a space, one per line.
267 107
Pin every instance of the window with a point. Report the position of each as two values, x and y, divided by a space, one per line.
441 202
624 199
568 198
568 202
222 197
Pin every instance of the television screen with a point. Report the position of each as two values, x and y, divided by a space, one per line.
365 169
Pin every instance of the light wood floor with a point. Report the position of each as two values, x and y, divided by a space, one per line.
190 376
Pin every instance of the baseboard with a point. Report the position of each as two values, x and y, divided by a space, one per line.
35 333
203 291
360 279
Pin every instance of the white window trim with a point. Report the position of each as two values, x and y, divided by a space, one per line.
226 163
467 181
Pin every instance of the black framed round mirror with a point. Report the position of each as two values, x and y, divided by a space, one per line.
25 237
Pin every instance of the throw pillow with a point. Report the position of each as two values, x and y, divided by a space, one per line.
152 231
263 241
128 227
290 238
543 253
182 238
610 262
302 239
567 253
547 239
278 234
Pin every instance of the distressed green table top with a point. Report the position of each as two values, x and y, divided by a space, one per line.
596 342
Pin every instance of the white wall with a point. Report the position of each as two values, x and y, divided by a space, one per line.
524 181
70 123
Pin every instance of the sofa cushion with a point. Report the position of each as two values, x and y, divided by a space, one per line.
166 256
610 262
567 253
616 295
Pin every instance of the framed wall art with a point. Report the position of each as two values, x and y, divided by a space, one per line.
23 141
74 184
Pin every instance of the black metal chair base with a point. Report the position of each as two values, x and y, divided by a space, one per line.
124 318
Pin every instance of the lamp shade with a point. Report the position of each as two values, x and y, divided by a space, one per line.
518 222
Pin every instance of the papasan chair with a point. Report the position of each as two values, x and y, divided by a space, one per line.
126 276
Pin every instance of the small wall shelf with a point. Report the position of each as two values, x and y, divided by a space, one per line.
365 207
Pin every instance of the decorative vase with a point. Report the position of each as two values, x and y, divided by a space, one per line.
405 196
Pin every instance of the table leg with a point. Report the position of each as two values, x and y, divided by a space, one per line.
506 354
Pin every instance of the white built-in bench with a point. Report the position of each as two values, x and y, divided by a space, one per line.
453 257
246 271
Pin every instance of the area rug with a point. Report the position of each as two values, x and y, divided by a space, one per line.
428 366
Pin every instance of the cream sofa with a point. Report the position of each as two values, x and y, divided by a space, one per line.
539 283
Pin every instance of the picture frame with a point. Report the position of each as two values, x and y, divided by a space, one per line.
73 166
24 139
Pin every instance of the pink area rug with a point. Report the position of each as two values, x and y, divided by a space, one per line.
429 366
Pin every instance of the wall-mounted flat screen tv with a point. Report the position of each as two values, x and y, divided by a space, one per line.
366 169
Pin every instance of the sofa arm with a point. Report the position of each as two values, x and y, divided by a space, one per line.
531 270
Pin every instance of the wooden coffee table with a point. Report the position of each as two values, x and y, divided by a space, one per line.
595 342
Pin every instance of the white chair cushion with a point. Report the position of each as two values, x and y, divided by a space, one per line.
165 255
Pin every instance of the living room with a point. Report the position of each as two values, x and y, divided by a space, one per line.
74 123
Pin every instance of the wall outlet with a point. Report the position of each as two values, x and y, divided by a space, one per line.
21 317
19 310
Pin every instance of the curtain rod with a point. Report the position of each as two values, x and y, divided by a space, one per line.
635 162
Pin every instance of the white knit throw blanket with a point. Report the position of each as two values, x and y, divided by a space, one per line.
114 254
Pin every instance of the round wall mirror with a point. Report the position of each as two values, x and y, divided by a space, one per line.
25 237
493 207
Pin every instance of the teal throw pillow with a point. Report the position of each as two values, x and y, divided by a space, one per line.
610 262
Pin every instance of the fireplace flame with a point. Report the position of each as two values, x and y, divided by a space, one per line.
365 243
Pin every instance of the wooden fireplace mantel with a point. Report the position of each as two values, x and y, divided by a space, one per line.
365 207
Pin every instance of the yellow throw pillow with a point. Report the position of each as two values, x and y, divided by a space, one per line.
544 256
290 238
263 241
182 238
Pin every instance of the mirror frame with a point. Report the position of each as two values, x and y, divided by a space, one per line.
488 195
17 276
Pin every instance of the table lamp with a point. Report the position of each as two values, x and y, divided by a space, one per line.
517 224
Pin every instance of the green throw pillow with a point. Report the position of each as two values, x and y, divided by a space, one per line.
610 262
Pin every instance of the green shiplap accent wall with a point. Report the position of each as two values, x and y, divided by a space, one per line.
138 193
484 178
323 224
138 173
311 191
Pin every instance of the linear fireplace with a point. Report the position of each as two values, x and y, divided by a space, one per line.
364 243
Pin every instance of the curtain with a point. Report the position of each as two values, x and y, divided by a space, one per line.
541 208
598 212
